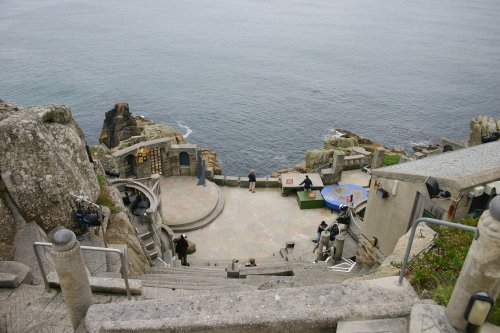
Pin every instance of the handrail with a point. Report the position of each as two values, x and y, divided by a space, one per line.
412 235
122 253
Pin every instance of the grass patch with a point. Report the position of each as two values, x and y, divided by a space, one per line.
105 198
434 273
391 159
94 149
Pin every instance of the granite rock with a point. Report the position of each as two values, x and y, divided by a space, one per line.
44 160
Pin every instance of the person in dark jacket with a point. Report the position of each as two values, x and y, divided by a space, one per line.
307 183
181 247
252 179
321 227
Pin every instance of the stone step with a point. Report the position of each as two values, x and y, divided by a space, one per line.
153 255
113 275
386 325
166 293
146 235
306 309
194 286
104 284
149 245
190 271
189 279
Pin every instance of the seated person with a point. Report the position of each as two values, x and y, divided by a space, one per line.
251 263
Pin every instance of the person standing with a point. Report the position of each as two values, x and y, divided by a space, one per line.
252 180
181 249
307 183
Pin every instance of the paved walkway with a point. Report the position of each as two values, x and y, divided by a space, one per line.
251 224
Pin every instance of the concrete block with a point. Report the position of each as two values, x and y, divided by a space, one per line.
328 176
429 318
13 273
261 182
219 180
232 181
244 182
389 325
273 182
266 270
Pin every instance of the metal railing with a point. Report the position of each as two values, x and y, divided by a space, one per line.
412 235
122 253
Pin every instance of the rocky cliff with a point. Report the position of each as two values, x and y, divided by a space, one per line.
482 126
120 129
43 161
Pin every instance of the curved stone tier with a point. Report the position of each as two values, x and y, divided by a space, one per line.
186 206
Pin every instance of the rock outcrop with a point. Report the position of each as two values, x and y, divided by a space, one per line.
43 161
119 125
120 129
152 130
7 233
210 157
482 126
318 157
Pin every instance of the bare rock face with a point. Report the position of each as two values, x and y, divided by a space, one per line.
318 157
210 158
482 126
340 142
7 232
120 231
119 125
152 130
43 160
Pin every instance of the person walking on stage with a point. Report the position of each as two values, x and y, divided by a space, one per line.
252 180
181 248
307 183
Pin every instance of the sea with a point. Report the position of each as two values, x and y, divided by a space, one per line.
260 81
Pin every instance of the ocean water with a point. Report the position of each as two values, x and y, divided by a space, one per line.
260 81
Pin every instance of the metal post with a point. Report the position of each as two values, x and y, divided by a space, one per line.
40 264
72 274
481 269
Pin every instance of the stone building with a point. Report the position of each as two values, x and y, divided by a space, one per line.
156 156
447 186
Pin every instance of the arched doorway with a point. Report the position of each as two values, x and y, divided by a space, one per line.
184 159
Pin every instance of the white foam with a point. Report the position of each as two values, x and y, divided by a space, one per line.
188 130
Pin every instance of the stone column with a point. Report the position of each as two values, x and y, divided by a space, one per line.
338 165
481 269
323 243
378 158
72 274
339 246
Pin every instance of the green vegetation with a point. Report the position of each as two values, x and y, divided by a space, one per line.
94 149
104 197
434 273
391 159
